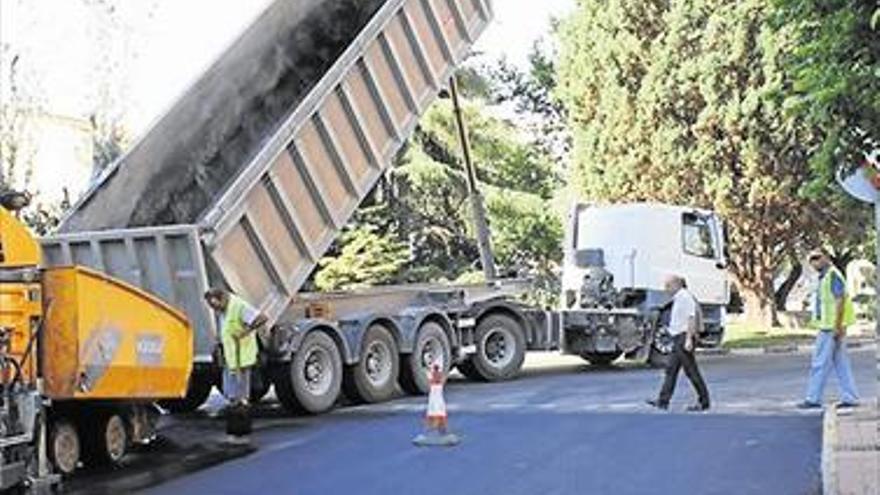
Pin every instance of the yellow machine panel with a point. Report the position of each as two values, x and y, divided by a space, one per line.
17 246
20 313
105 339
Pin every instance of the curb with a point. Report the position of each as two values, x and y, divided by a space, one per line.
782 349
829 442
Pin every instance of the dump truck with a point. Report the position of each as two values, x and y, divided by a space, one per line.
252 173
83 357
248 178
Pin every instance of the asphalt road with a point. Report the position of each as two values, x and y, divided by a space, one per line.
561 428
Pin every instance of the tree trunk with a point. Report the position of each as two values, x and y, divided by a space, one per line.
781 296
760 309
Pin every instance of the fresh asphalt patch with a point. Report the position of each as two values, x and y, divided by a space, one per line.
160 461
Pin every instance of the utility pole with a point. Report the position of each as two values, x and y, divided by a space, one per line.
877 272
480 224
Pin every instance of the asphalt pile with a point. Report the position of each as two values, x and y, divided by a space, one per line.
174 173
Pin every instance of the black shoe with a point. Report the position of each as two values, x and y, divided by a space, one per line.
698 407
809 405
656 403
846 405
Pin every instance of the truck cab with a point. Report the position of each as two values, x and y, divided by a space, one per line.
618 256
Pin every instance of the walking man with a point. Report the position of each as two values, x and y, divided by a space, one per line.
832 313
239 322
685 321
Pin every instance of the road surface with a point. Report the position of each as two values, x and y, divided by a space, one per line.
562 428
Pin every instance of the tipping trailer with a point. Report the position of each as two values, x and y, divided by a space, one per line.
227 189
83 356
246 181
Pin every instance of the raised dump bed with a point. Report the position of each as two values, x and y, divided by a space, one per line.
283 197
175 171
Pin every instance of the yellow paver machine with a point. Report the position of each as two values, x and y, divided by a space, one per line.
83 356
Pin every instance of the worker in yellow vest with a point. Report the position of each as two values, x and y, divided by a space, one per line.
239 322
832 313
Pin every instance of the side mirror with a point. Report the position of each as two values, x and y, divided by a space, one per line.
721 265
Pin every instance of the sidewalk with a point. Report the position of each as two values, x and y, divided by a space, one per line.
851 451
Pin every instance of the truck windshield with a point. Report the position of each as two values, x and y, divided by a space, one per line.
697 236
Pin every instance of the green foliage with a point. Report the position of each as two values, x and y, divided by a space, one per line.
422 204
836 84
682 102
366 258
503 157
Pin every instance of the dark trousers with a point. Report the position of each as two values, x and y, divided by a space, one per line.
682 358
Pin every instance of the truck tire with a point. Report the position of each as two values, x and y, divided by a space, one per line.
65 448
501 348
310 382
106 439
601 358
197 393
374 377
260 384
661 348
468 369
431 344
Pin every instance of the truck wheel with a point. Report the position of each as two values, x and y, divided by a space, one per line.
501 348
374 377
311 381
106 440
431 344
601 358
661 348
197 393
468 369
64 446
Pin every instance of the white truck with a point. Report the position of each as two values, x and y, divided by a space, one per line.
616 260
249 177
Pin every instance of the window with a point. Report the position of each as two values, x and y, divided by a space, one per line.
697 236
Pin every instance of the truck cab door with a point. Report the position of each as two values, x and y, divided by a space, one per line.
703 261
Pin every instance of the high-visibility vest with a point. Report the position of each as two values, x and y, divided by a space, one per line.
240 353
826 319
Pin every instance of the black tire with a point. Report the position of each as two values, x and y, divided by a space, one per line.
430 340
65 447
374 377
501 348
601 358
106 439
468 369
200 384
661 348
260 384
318 356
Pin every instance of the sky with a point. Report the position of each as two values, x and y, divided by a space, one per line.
161 47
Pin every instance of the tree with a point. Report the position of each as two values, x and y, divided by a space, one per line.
21 102
366 258
115 37
535 103
835 85
422 203
682 103
18 104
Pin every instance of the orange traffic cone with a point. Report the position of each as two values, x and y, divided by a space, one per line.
436 432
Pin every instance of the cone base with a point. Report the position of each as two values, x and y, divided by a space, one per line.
436 439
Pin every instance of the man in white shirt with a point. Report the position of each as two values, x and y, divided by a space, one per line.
685 320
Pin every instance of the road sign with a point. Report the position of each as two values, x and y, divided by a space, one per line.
864 184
